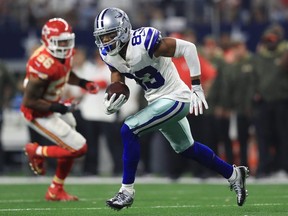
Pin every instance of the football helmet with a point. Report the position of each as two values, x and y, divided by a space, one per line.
109 21
58 38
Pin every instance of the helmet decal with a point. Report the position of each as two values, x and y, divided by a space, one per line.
118 15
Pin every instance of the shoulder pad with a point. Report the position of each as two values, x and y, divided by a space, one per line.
153 37
42 66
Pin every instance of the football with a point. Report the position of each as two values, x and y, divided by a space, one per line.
118 88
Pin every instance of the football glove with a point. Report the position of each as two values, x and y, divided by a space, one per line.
112 105
92 87
67 106
71 105
197 100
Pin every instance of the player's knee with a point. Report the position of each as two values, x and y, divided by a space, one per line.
75 140
127 134
179 148
82 151
125 130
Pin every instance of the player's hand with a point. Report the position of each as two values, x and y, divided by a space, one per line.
92 87
71 105
63 107
197 100
112 105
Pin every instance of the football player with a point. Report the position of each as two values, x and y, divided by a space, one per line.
47 71
143 55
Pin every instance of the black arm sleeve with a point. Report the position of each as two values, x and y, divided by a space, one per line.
57 107
82 83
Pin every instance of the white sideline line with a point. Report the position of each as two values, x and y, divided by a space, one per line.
152 207
141 180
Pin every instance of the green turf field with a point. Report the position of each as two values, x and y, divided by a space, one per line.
151 200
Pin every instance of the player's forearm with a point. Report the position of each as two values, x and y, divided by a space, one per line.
39 105
189 51
73 79
117 77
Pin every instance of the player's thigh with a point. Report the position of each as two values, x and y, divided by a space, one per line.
69 119
58 131
178 134
156 115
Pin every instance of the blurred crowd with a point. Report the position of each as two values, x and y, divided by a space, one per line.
247 90
28 14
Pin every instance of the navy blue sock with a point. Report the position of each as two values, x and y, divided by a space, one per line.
205 156
131 154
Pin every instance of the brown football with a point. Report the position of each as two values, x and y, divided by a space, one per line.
118 88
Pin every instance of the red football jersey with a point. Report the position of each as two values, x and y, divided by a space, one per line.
44 66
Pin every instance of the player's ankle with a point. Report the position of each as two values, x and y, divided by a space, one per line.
128 187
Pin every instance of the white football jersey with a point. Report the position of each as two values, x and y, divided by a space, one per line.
157 76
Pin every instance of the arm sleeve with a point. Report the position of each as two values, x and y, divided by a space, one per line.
189 51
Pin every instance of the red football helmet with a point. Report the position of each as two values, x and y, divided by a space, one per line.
58 38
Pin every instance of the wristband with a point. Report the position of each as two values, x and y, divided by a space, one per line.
57 107
82 83
196 82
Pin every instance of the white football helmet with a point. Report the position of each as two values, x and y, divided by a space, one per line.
58 38
112 20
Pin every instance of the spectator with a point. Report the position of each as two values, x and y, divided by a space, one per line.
271 100
216 124
8 87
96 123
240 89
197 124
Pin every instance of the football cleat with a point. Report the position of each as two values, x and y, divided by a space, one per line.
239 184
120 200
36 162
57 193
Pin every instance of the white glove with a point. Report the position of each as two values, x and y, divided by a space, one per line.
112 106
197 99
